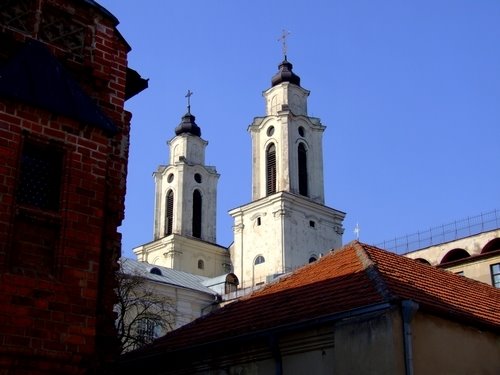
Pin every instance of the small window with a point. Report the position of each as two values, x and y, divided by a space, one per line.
313 259
155 271
495 275
197 178
312 223
170 177
270 131
259 221
201 264
41 175
147 330
231 284
301 131
259 260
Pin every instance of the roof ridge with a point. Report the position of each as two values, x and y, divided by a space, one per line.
372 271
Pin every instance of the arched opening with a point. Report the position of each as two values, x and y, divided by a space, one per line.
422 260
259 259
231 284
201 264
155 271
313 258
197 210
271 169
455 254
302 157
169 213
491 246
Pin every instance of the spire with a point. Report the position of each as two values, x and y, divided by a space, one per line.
285 73
187 124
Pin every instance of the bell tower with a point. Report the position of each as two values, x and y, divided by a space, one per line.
287 224
186 189
185 208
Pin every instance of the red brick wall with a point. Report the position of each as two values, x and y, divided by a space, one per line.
56 266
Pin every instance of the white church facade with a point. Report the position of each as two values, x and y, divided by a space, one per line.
285 226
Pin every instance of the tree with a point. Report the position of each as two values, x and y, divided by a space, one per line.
143 313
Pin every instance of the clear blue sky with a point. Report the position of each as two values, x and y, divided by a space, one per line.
409 92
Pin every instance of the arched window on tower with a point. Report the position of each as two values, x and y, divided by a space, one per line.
302 156
271 169
197 213
259 259
169 213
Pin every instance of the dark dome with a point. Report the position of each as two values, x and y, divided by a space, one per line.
285 74
188 125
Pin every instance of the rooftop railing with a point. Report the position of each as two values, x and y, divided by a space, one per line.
444 233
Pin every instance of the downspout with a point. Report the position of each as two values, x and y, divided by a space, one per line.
275 351
408 310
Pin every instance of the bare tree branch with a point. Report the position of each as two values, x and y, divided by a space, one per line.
142 312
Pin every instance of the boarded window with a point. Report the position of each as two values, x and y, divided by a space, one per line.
197 210
271 170
169 213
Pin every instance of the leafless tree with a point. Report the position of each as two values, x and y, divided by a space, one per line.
142 312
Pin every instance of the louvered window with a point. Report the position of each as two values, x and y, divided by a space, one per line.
197 214
169 213
302 157
271 170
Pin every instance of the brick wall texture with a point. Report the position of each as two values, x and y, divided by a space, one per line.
62 188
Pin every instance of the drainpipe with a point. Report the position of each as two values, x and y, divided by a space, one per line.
408 310
276 353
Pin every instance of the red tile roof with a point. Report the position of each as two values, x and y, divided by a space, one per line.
356 276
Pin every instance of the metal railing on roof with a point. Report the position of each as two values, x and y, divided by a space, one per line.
444 233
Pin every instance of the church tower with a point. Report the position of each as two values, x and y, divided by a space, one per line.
287 224
185 208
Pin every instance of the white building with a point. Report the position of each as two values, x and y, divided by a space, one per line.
285 226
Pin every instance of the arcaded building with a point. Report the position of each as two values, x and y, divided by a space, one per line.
64 137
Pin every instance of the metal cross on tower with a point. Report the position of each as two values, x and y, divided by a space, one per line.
282 39
188 95
357 229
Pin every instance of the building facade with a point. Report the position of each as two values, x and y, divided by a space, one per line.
64 138
476 256
357 310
